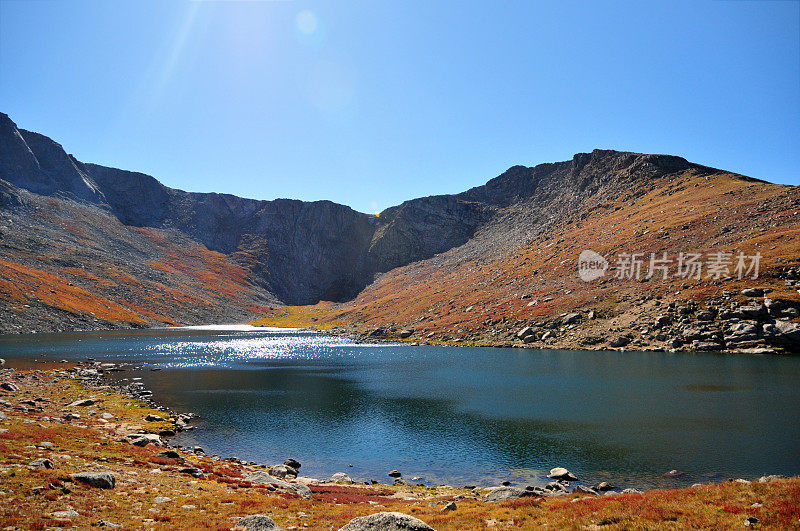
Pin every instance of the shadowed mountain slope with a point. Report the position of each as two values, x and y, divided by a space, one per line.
152 254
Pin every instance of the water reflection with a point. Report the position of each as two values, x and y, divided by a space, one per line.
461 415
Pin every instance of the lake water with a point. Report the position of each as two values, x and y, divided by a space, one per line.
459 415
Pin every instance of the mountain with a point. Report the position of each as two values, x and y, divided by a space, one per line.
88 246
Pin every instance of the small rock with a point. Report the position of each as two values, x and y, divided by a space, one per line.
394 474
170 454
604 486
620 341
751 521
8 386
192 471
161 499
154 418
106 523
580 489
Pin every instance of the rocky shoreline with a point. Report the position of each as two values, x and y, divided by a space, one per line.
112 437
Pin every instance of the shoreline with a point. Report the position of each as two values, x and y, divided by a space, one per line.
114 425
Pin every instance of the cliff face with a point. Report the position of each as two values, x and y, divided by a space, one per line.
65 215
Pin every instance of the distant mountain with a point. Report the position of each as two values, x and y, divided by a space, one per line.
87 246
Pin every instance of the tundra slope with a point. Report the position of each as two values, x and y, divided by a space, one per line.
101 247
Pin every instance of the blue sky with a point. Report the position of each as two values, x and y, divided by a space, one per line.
371 103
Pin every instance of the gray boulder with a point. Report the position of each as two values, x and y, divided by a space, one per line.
42 463
386 522
562 473
497 494
620 341
263 477
257 522
341 476
282 471
101 480
783 334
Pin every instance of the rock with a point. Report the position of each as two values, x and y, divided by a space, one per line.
106 523
743 331
524 332
562 473
257 522
101 480
705 316
604 486
170 454
8 386
580 489
497 494
632 491
294 463
263 477
751 521
783 333
451 506
394 474
161 499
42 463
192 471
282 471
83 403
406 333
386 522
571 318
66 515
753 292
154 418
145 439
620 341
753 311
707 346
341 477
662 321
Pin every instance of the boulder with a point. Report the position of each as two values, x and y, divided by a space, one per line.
619 341
753 311
83 403
341 477
705 315
571 318
753 292
154 418
394 474
8 386
257 522
101 480
524 332
388 521
406 333
497 494
264 478
562 473
662 321
783 334
450 506
580 489
42 463
282 471
742 331
294 463
170 454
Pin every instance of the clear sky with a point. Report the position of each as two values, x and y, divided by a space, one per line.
370 103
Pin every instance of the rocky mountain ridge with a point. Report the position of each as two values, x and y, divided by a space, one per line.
78 219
